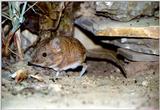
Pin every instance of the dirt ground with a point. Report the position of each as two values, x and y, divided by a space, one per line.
101 87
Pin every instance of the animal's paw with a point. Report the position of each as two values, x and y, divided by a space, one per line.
78 78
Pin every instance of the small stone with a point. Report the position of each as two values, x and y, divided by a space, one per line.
112 77
14 92
145 83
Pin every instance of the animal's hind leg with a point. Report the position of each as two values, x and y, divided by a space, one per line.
84 68
57 73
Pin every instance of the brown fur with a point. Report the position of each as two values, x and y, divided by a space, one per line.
71 51
62 52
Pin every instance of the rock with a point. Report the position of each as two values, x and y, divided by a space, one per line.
140 28
145 83
126 10
28 39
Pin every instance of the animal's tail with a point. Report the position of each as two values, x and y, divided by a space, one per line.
107 55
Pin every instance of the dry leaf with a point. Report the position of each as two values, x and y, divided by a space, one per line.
20 75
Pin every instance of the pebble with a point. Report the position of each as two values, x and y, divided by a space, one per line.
145 83
112 77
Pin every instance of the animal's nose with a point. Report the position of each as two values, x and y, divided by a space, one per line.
30 64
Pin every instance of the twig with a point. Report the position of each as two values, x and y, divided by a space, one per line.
33 9
13 52
4 21
3 38
16 18
7 17
31 6
40 8
7 43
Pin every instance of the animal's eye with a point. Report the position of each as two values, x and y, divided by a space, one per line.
44 54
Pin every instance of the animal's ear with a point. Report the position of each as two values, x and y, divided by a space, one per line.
56 44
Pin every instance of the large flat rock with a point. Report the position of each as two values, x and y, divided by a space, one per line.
146 27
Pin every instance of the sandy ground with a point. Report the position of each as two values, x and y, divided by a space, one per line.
101 87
